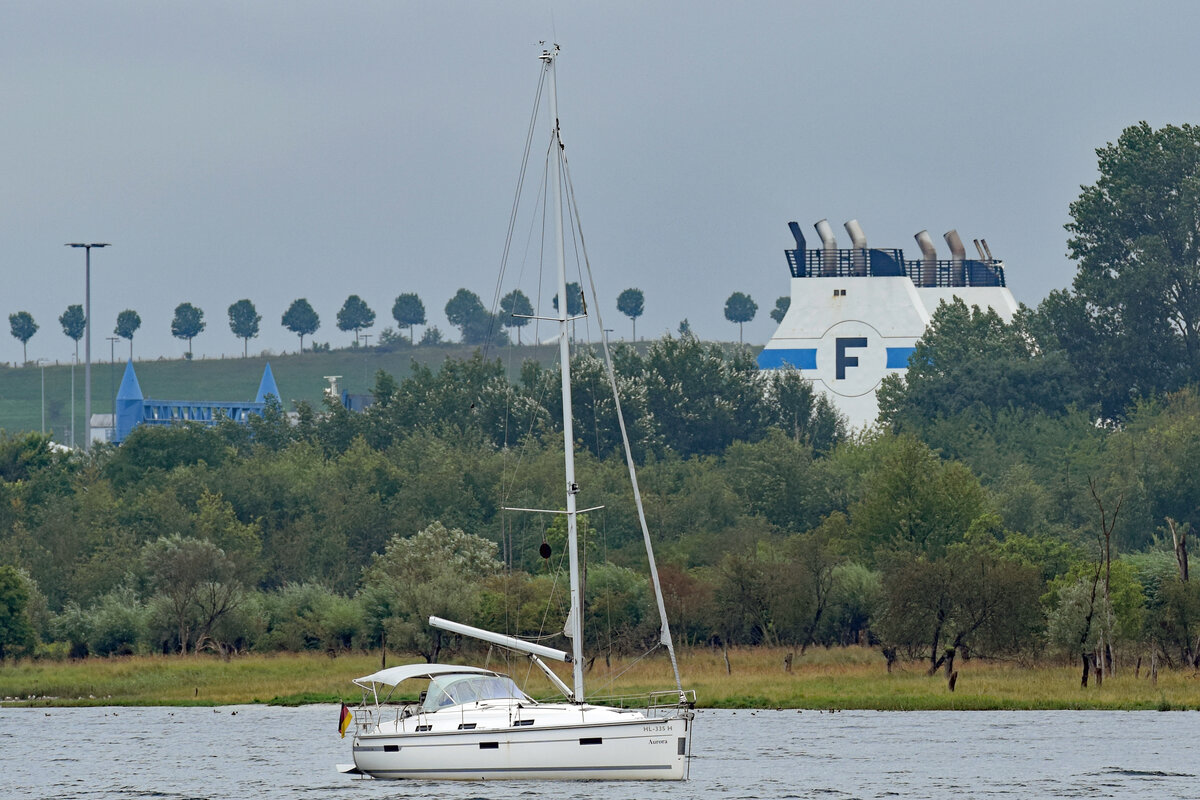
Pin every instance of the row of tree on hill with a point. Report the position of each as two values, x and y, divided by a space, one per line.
465 311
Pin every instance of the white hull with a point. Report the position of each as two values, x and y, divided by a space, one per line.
637 749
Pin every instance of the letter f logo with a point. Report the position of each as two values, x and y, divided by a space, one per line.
844 360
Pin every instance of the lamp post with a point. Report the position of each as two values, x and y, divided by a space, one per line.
366 337
42 363
87 346
112 379
73 363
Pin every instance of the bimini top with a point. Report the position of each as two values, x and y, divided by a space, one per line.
394 675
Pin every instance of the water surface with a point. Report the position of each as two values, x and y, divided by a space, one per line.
266 753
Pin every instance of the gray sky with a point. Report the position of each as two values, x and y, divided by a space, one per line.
276 150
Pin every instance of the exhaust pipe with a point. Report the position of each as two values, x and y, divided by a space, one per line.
979 250
830 254
801 248
928 259
987 250
859 240
958 257
798 236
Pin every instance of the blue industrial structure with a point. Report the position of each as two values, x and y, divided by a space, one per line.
133 409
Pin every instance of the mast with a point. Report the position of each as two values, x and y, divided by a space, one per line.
575 617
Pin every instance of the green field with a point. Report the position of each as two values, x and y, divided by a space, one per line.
841 678
299 377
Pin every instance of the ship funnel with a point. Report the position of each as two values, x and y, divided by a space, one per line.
800 264
928 259
829 257
798 236
958 257
859 240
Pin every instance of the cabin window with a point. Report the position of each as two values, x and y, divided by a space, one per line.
595 740
422 728
467 726
521 722
489 745
391 748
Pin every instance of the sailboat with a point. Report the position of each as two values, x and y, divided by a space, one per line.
474 723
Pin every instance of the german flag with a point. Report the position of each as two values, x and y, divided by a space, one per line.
344 720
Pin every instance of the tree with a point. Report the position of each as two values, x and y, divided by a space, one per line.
631 303
517 309
782 304
803 413
1083 617
408 310
574 300
701 398
912 502
187 324
73 323
971 363
198 582
16 632
464 306
741 309
128 321
970 598
355 315
1132 321
300 318
478 325
436 572
23 328
243 321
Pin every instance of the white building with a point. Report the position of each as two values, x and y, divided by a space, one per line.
856 313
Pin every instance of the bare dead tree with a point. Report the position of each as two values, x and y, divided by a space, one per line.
1103 660
1179 538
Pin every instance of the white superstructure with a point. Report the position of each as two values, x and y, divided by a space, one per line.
856 314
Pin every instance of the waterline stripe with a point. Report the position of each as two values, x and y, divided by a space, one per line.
503 770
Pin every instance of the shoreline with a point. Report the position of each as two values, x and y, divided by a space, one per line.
821 680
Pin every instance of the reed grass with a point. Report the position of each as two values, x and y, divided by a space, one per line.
843 678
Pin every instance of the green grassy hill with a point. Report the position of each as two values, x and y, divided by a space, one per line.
299 377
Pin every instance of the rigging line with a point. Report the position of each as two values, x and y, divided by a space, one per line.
516 201
631 665
665 636
550 599
538 202
526 443
508 238
576 244
543 389
604 548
